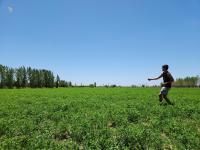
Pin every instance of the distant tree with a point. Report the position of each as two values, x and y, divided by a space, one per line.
41 78
19 77
70 84
133 86
34 80
91 85
106 86
2 76
10 78
24 77
29 76
113 85
51 79
57 81
38 83
63 83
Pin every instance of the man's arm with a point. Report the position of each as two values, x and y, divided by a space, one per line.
155 78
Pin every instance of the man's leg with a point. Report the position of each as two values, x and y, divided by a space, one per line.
167 100
161 94
160 97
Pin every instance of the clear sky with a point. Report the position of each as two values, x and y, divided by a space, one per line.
107 41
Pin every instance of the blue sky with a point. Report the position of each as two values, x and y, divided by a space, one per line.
108 41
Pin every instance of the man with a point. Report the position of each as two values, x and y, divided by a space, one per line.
166 86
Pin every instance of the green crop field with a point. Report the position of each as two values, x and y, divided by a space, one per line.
99 118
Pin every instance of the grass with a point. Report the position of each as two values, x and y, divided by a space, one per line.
99 118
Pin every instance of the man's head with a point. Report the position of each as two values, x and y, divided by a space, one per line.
165 67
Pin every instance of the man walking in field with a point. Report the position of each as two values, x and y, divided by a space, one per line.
166 86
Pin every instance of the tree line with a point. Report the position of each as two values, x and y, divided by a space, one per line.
187 82
23 77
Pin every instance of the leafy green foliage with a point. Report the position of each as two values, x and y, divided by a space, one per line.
99 118
186 82
28 77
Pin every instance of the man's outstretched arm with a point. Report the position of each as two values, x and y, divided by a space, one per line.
155 78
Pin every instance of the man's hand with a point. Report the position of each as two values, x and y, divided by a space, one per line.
155 78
